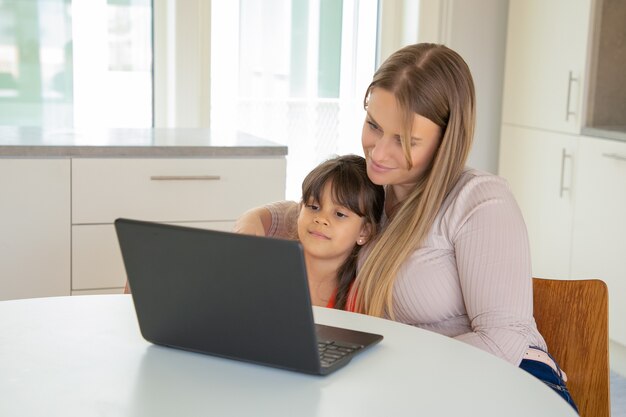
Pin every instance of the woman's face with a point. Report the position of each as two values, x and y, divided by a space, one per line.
382 145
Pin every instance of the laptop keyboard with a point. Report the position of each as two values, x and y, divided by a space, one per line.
331 351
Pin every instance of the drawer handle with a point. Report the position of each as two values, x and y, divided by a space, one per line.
185 177
614 156
563 188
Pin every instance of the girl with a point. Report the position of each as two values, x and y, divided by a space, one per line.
338 214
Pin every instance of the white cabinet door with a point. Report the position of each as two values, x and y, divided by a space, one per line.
545 63
598 249
34 228
538 166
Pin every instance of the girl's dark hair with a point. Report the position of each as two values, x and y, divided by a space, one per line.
352 189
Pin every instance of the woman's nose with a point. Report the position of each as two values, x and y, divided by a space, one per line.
379 149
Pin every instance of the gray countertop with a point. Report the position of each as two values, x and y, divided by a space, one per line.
113 143
606 132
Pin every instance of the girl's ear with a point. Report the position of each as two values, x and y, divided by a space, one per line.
365 234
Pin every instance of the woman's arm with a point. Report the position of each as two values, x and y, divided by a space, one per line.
493 261
256 221
277 219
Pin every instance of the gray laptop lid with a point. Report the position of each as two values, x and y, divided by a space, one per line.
225 294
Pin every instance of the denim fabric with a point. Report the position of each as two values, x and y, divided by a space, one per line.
548 376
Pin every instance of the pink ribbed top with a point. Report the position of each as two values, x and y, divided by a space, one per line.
471 278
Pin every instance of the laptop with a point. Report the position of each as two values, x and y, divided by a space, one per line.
230 295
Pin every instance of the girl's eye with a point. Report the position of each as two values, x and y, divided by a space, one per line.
312 207
341 215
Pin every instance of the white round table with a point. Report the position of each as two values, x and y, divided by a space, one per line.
84 356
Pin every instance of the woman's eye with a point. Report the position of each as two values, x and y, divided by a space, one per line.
373 125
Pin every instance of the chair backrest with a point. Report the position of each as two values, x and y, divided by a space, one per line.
572 316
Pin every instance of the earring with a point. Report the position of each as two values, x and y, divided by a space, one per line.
360 241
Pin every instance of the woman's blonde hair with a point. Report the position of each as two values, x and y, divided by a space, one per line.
434 82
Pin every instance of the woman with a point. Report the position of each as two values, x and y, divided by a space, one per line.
452 256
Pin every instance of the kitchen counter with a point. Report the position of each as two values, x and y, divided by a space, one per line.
35 142
606 132
63 189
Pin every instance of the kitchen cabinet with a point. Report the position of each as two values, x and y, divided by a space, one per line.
546 57
63 189
202 192
539 168
34 228
599 227
570 187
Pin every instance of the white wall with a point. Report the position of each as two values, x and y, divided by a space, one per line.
479 35
476 29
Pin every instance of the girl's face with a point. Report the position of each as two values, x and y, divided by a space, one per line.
382 145
328 230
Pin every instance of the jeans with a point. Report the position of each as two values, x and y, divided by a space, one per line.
551 378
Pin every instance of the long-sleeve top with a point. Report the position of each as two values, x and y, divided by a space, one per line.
471 277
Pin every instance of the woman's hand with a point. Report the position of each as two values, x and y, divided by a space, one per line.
254 222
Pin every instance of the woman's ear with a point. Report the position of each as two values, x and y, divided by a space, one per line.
365 234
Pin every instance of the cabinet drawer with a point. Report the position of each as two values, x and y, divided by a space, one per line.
173 189
96 258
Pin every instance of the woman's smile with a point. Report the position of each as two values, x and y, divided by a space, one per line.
377 167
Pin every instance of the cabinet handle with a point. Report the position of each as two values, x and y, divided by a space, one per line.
570 80
185 177
563 188
615 156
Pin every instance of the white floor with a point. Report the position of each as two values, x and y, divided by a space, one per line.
618 395
618 379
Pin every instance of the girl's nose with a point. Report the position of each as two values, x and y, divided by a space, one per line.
320 220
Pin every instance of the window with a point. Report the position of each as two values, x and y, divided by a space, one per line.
293 72
290 71
76 64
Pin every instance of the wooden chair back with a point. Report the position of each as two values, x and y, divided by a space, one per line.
572 316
